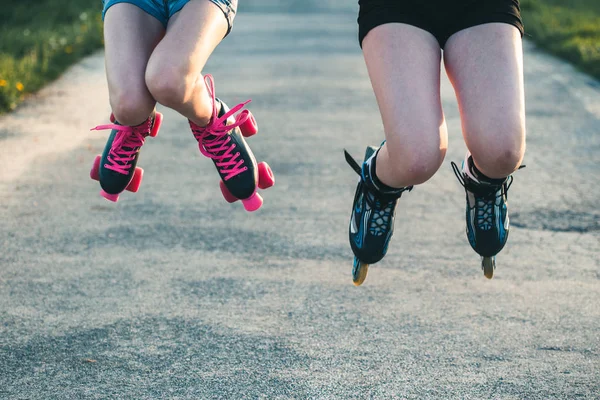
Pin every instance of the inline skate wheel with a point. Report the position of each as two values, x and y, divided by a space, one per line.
359 272
488 265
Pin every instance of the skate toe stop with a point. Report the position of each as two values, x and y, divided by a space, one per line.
253 202
110 197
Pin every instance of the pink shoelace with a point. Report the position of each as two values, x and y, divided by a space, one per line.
214 140
127 143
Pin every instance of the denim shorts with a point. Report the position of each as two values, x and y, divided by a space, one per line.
162 10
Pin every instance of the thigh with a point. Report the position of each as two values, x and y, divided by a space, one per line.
192 35
404 67
130 36
228 7
485 65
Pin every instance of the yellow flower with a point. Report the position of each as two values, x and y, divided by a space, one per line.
69 49
19 86
3 83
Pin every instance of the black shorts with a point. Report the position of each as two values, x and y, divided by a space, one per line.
441 18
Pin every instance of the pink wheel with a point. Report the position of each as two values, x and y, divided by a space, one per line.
158 117
94 173
249 127
112 118
253 202
136 180
110 197
227 194
266 179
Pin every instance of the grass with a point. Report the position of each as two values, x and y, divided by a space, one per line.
39 39
569 29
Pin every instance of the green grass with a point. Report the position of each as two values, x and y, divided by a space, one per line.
39 39
567 28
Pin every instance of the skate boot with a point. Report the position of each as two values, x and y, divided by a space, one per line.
372 218
116 168
486 212
222 140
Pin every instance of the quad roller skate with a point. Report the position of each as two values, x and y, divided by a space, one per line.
116 168
372 218
222 140
486 212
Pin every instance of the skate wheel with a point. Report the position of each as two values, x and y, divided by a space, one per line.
136 180
158 118
359 272
488 265
112 118
249 127
94 173
227 194
110 197
253 202
266 179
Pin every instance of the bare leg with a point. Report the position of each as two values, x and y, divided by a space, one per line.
404 67
174 73
485 65
130 36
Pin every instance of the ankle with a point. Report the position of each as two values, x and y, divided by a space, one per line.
370 174
480 176
200 122
374 174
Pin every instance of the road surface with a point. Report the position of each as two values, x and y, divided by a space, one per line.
174 294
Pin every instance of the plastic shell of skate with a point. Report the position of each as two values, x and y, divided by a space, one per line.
359 268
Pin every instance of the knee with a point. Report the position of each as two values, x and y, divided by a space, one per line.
131 107
421 167
170 85
499 162
500 158
416 163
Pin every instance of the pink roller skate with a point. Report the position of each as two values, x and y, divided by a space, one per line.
116 168
223 141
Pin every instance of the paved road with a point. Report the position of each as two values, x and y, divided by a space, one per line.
173 293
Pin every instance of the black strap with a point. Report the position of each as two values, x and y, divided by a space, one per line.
352 162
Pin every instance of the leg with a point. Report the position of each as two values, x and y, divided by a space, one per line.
174 77
485 65
174 73
130 36
404 66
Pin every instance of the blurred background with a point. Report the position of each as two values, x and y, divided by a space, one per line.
39 39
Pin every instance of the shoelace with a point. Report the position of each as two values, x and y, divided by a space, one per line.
126 144
382 211
214 140
485 195
485 212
